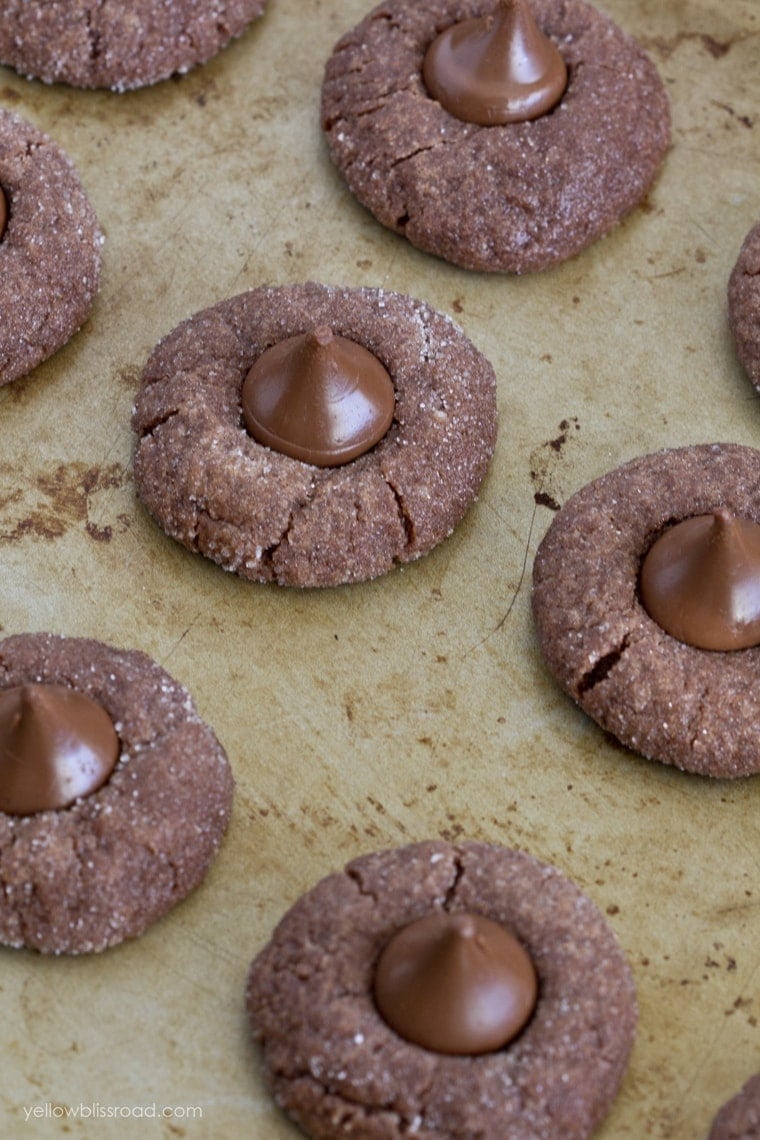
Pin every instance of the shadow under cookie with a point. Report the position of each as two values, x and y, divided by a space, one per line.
272 518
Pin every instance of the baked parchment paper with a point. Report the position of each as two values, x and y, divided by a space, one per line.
417 705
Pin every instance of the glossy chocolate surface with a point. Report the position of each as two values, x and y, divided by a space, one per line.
56 745
494 69
700 581
318 397
455 983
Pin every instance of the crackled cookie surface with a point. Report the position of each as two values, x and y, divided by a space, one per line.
85 877
49 250
739 1119
273 518
117 43
744 304
697 709
338 1069
515 197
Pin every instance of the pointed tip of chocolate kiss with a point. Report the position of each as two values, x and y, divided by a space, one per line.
320 336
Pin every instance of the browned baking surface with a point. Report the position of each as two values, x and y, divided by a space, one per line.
415 706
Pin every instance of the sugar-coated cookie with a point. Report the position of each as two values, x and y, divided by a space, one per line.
338 1069
49 248
117 43
739 1119
273 518
87 876
744 304
513 197
697 709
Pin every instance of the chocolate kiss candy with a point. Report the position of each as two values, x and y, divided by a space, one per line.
55 745
700 581
499 68
3 212
455 983
319 398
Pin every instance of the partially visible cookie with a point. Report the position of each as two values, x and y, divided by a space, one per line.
515 197
744 304
272 518
85 877
739 1119
49 252
120 44
694 708
338 1069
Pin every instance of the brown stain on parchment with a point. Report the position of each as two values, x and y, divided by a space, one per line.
664 47
544 462
55 499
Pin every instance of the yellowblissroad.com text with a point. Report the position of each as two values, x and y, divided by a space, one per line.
97 1111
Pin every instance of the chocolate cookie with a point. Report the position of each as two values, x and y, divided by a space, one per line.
695 708
49 248
117 43
273 518
514 197
338 1069
87 876
739 1119
744 304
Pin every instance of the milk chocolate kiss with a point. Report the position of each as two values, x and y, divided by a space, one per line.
499 68
55 746
700 581
455 983
319 398
3 213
